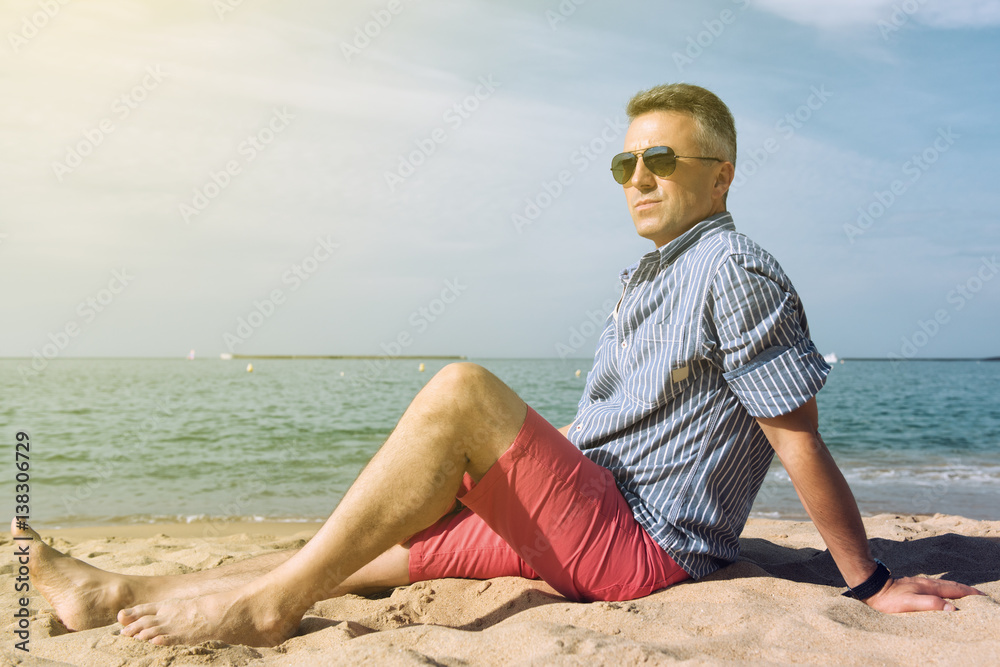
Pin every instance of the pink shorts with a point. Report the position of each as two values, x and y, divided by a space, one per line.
544 510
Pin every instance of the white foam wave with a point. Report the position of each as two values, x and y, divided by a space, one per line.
987 475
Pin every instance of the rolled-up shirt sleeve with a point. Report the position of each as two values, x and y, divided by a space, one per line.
756 330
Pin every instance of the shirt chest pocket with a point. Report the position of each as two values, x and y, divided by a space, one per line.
656 364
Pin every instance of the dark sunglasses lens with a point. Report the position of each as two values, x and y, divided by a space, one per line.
622 166
660 160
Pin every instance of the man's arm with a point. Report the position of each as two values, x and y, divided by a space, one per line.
830 504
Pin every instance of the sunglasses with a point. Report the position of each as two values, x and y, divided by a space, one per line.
661 160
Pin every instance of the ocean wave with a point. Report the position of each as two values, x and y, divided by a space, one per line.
150 519
918 475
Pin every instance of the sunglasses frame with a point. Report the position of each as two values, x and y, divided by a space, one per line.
639 156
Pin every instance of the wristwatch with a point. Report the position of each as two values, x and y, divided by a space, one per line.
872 585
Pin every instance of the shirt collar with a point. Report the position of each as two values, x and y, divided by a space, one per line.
666 254
717 222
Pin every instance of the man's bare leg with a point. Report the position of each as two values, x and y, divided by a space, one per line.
85 597
461 422
388 570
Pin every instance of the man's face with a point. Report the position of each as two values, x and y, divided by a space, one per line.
664 208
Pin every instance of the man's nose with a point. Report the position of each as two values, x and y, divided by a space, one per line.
642 178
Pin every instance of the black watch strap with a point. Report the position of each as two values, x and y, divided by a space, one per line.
872 585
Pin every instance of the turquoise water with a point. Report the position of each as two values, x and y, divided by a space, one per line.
138 440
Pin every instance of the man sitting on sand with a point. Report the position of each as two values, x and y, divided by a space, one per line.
704 370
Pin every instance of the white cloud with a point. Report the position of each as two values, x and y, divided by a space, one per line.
836 14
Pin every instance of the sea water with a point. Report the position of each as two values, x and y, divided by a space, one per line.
143 440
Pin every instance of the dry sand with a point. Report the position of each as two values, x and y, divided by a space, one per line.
780 604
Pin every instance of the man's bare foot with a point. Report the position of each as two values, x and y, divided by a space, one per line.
234 617
83 596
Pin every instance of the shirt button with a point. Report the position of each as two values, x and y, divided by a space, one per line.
624 344
579 427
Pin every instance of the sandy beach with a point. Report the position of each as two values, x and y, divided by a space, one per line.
779 604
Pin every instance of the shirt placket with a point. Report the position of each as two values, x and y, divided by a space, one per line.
624 333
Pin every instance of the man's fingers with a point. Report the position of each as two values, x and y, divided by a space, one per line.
920 594
899 601
940 587
926 603
953 589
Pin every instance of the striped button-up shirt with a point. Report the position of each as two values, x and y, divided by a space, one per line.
709 334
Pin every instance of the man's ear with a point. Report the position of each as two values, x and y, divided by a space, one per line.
724 178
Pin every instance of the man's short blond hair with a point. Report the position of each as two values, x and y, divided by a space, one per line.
716 133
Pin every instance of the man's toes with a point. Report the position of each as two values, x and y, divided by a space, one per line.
140 625
141 629
17 531
163 640
133 614
151 634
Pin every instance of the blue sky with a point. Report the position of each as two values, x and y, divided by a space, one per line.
263 177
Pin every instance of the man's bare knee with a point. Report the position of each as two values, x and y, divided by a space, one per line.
478 395
463 375
486 413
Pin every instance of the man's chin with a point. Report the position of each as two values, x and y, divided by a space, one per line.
659 233
649 230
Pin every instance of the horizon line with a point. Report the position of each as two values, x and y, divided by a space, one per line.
429 357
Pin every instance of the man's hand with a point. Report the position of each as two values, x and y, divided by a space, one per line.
830 504
919 594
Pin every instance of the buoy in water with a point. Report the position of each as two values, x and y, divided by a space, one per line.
249 368
341 373
578 372
421 368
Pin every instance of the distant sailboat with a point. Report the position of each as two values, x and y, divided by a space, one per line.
191 355
830 358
